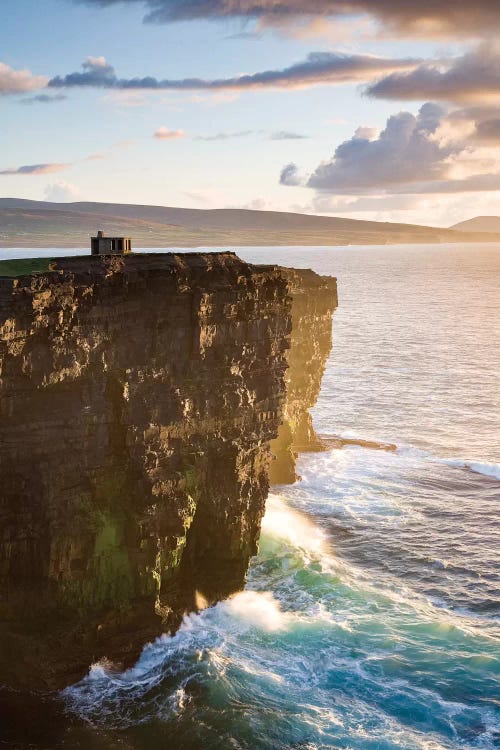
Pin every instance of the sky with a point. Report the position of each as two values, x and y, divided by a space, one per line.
370 109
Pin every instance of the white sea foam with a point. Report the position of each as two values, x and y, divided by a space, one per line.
256 609
283 522
487 469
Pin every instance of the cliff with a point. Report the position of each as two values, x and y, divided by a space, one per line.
314 302
138 400
138 397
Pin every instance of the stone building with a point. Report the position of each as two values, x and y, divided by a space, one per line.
102 245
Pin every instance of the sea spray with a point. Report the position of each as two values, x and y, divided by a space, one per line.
332 655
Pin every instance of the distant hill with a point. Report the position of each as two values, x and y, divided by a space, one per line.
479 224
26 223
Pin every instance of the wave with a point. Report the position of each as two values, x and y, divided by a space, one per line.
315 547
349 669
486 469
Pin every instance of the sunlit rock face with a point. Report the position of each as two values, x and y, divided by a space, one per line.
138 398
314 300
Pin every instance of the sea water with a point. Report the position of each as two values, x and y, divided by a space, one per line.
371 616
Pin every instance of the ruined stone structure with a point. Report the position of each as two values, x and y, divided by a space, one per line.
102 245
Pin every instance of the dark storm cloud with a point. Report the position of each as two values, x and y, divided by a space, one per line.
318 68
473 77
419 17
34 169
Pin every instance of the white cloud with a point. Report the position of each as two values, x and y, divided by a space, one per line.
164 134
19 81
62 192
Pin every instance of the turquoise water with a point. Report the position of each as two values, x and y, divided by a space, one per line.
371 617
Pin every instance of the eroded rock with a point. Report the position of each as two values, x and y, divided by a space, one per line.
314 302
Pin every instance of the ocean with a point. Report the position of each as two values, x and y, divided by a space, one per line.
371 616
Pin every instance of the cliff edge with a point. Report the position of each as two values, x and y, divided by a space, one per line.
314 301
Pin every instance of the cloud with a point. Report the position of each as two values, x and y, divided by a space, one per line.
331 204
281 135
370 134
416 17
473 77
44 99
19 81
226 136
290 176
254 36
35 169
164 134
319 68
412 155
472 184
257 204
62 192
286 135
124 143
405 151
480 124
488 131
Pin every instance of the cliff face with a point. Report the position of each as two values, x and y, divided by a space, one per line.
138 397
314 300
138 400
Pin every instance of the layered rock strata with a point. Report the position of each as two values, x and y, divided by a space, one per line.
138 397
314 302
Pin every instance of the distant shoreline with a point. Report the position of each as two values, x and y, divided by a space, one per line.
23 254
15 243
42 224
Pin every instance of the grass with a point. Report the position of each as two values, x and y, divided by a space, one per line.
24 266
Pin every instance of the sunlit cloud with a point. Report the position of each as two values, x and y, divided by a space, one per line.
19 81
471 78
413 154
319 68
488 131
419 18
164 134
